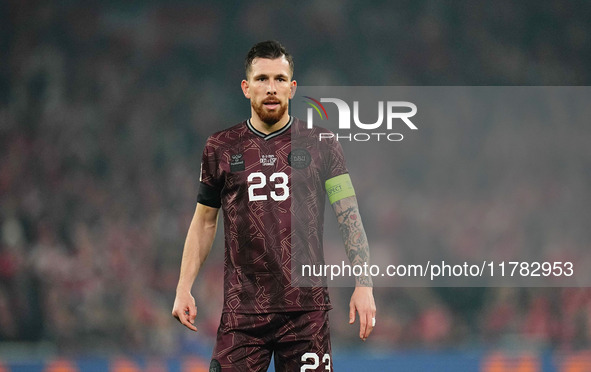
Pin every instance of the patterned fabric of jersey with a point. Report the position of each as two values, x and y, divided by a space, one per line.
252 172
245 342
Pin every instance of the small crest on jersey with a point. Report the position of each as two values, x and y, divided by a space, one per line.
237 163
299 158
268 159
215 366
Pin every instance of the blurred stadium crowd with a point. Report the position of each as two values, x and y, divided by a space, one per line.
104 110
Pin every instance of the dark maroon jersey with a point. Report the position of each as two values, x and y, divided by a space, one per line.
271 188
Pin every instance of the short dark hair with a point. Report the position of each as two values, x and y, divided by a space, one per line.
270 49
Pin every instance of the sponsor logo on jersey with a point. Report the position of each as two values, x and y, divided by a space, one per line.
237 163
299 158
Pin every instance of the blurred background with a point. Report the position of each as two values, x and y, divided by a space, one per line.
104 110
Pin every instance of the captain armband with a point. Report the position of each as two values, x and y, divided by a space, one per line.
339 187
209 196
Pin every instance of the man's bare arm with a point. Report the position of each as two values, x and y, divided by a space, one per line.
353 234
357 249
197 247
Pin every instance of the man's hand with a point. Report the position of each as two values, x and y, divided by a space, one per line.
184 309
362 301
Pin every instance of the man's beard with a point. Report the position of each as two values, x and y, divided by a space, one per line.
269 117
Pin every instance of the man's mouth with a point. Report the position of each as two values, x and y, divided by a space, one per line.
271 104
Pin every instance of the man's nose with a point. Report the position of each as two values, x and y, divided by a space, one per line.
271 88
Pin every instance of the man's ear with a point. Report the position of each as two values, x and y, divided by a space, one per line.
244 86
294 86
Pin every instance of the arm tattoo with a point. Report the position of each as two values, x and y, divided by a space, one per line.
353 235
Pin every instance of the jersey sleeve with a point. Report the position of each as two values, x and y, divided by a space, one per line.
334 160
210 185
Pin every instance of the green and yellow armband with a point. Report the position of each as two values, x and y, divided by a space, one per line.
339 187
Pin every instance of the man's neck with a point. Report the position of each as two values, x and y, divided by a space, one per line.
265 128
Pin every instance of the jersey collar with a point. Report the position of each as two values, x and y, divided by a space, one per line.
272 134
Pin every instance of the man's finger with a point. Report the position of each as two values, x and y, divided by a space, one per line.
183 318
362 325
351 314
186 321
370 324
192 314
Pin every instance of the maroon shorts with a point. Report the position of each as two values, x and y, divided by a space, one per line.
300 341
